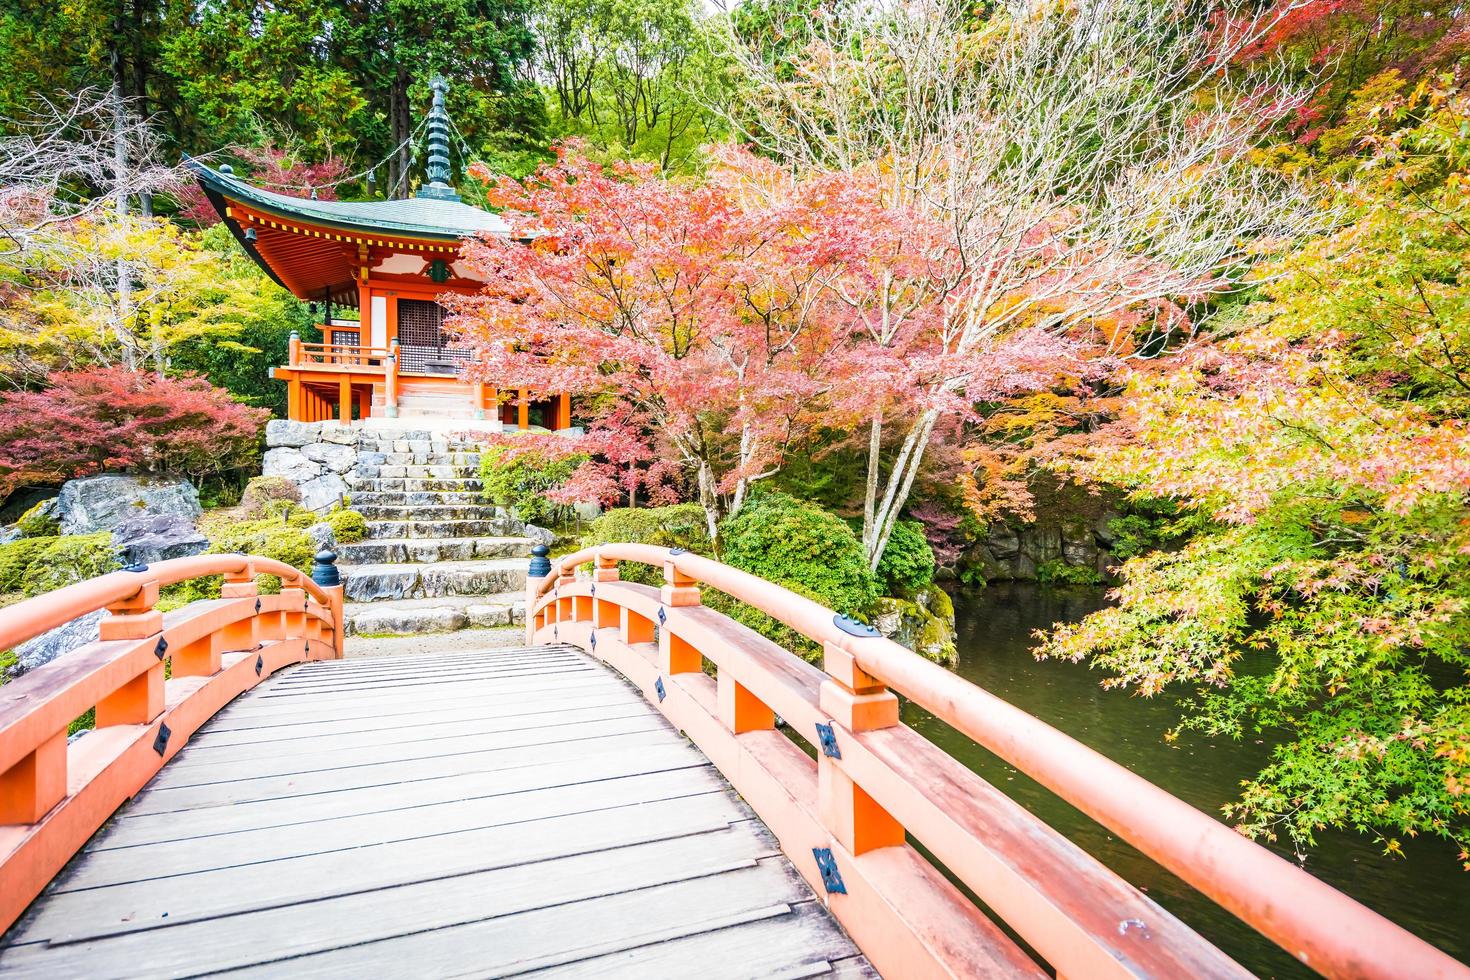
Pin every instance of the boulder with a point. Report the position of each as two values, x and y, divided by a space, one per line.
281 432
340 434
291 464
53 643
320 491
322 536
101 503
337 458
148 538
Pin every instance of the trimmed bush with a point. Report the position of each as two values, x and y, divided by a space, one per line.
521 478
907 565
102 419
35 524
269 538
802 547
66 560
261 491
676 526
347 526
16 557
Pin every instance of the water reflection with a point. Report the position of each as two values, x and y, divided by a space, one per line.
1424 891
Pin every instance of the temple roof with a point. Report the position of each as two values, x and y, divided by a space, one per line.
415 217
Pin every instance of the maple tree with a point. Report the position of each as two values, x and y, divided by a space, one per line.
1085 185
85 422
1319 452
701 308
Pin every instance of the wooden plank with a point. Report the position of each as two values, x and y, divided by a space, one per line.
246 717
195 855
573 932
802 944
294 930
526 804
211 739
598 764
293 681
410 682
159 800
302 765
95 912
446 728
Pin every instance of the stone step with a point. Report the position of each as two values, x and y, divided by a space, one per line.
419 471
469 461
414 498
445 614
415 442
369 583
410 550
486 528
428 512
381 484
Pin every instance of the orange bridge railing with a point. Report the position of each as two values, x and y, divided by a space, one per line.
54 795
846 818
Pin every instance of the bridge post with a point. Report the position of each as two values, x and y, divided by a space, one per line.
324 573
241 634
675 654
140 700
604 611
856 701
536 572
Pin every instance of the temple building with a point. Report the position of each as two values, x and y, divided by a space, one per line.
390 261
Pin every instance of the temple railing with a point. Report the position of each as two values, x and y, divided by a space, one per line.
337 356
845 819
54 794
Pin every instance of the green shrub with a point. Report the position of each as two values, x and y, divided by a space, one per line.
263 490
268 538
520 478
34 524
347 525
1060 573
16 557
907 565
66 560
676 526
802 547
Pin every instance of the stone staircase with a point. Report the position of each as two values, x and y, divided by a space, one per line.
436 557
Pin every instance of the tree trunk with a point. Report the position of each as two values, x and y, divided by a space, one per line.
120 195
401 125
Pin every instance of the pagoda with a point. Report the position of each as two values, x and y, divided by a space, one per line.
391 261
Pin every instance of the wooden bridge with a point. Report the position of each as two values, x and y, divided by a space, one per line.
647 788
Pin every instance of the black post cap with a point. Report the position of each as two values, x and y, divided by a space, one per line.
324 572
540 566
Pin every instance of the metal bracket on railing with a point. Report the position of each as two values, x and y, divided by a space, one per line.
828 739
658 685
663 617
160 741
852 627
161 648
827 865
259 664
257 606
594 639
678 551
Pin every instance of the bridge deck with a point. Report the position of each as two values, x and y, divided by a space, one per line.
507 812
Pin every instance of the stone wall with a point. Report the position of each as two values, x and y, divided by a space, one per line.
1016 552
316 456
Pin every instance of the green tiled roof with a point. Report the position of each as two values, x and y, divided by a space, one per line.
420 217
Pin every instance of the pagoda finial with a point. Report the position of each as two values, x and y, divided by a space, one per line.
438 172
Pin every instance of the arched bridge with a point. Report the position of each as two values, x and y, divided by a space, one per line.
646 788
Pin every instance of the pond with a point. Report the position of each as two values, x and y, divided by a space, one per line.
1424 891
